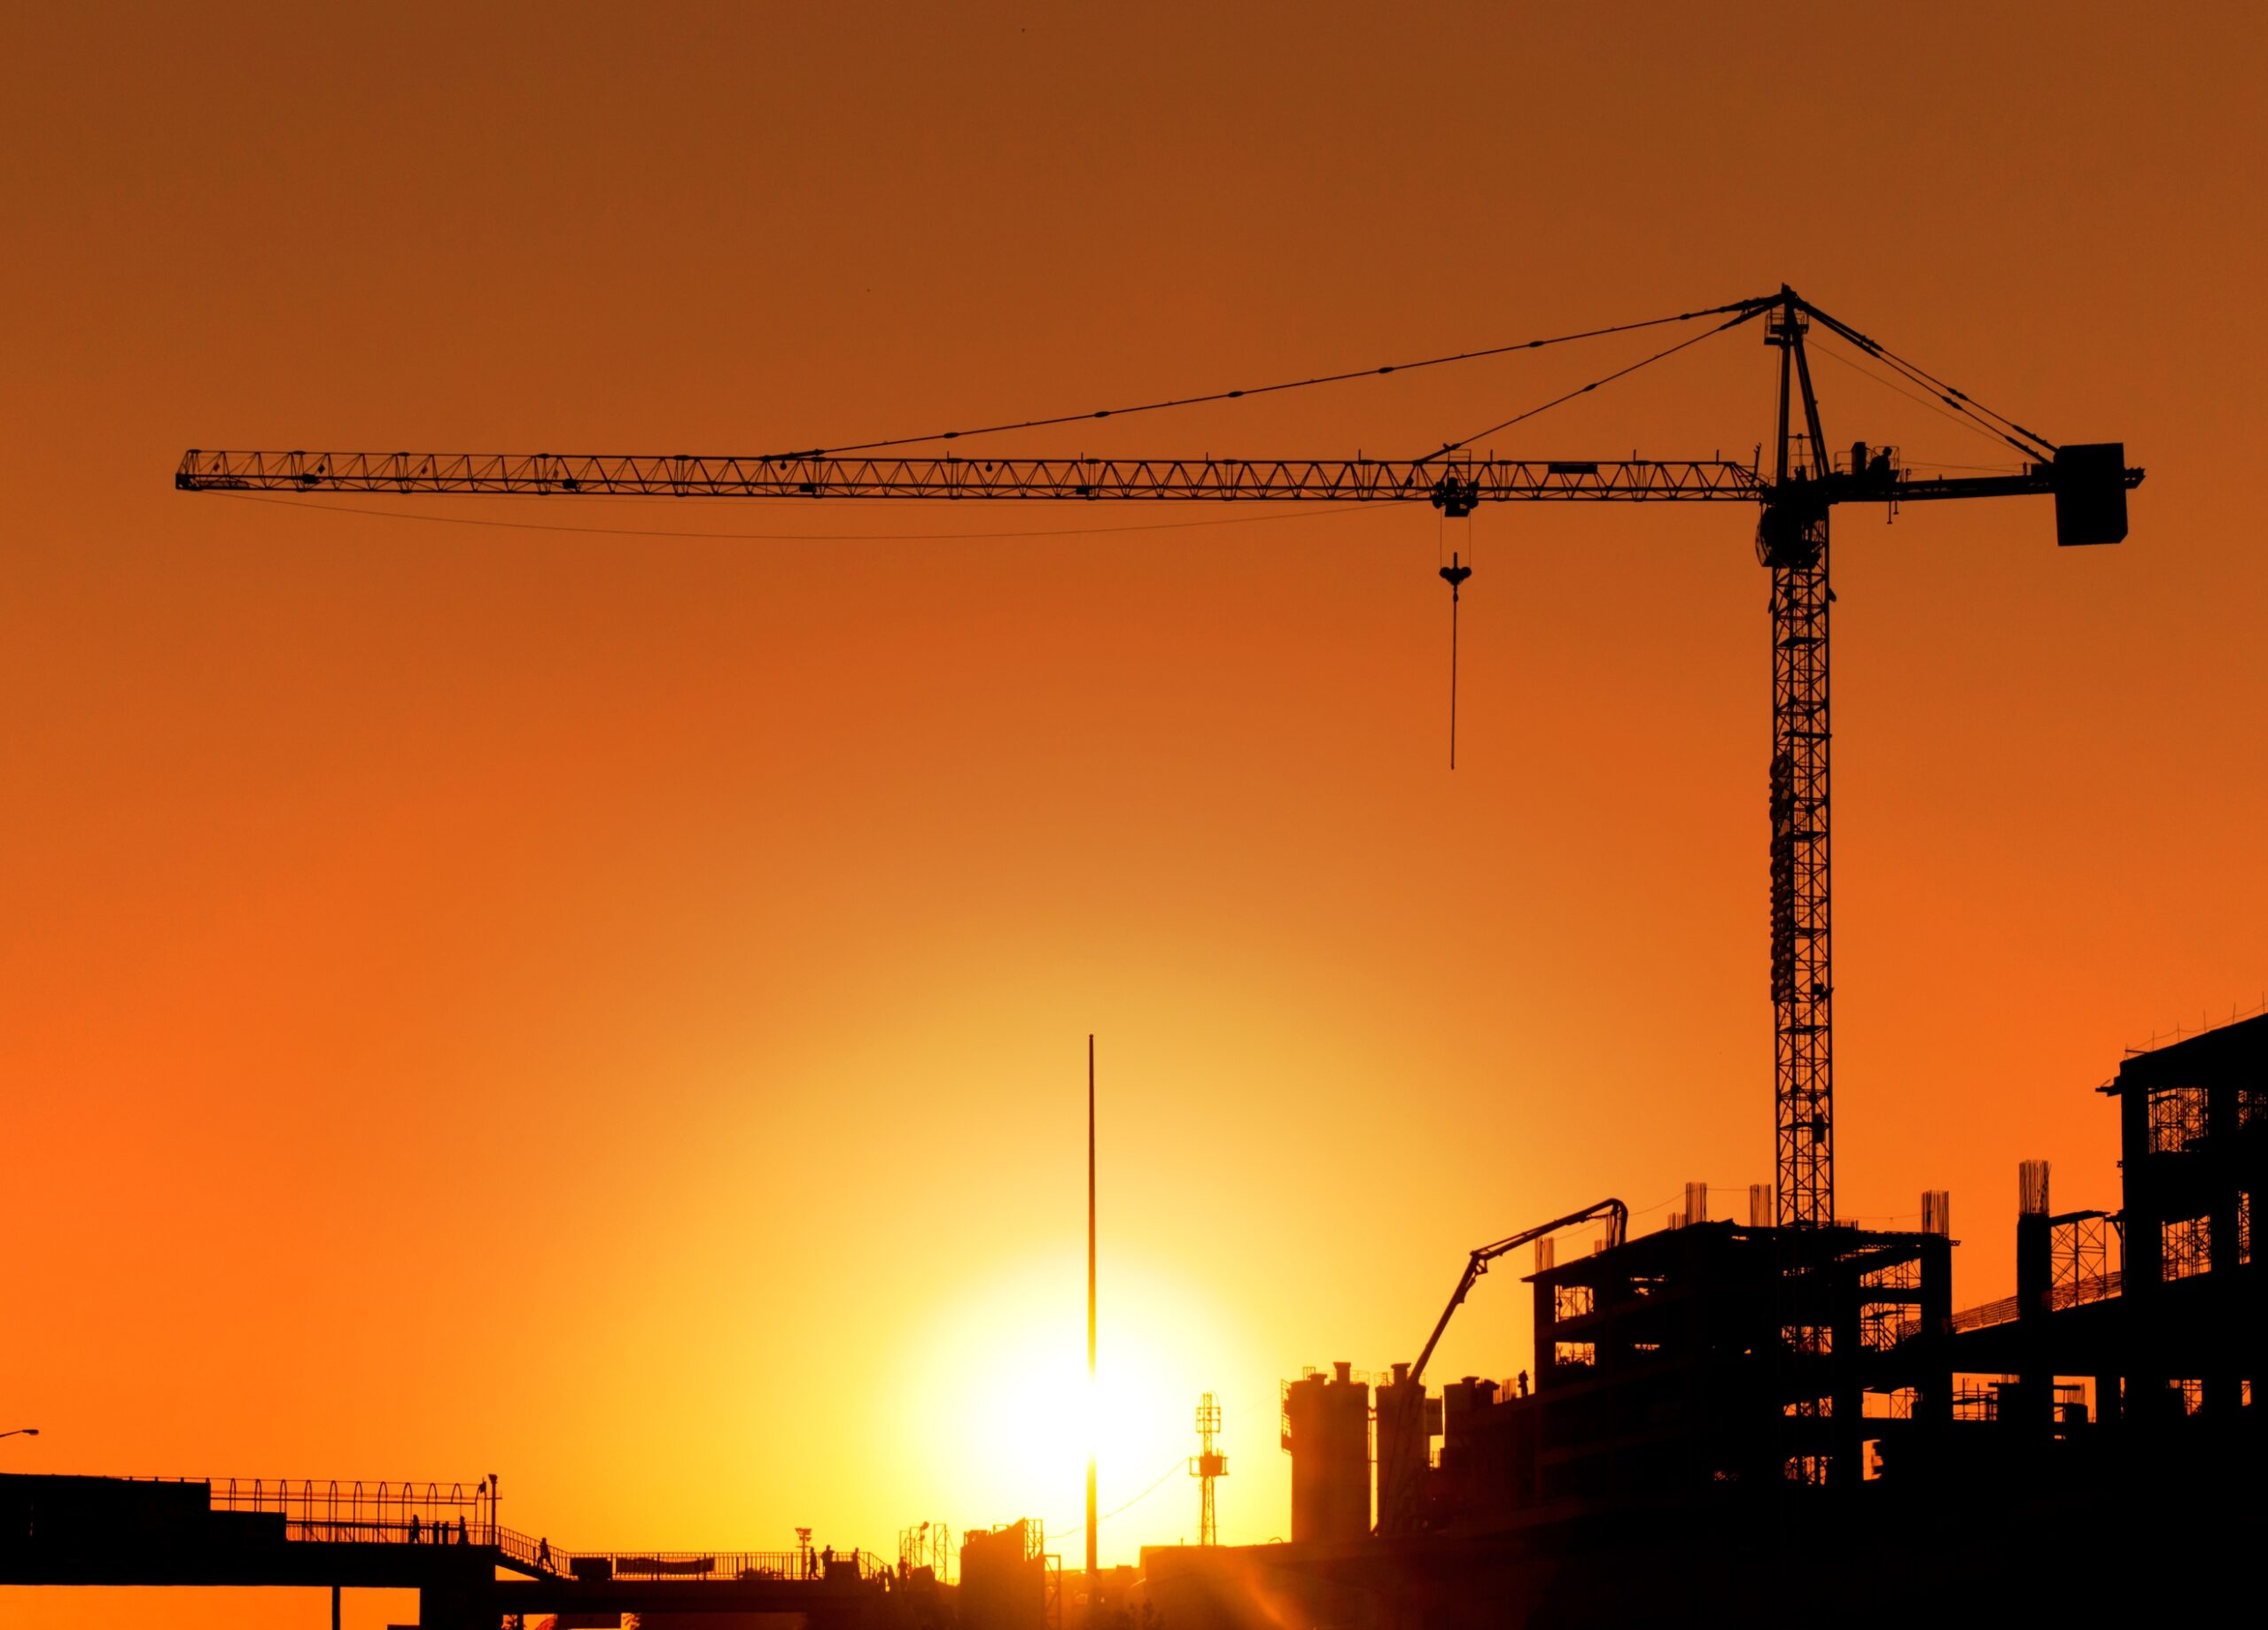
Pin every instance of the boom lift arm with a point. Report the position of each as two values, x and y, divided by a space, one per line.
1618 1224
1398 1486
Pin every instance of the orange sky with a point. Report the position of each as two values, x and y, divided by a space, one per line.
610 1009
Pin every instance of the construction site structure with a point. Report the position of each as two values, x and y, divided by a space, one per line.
925 1548
1006 1580
440 1540
1209 1466
1646 1473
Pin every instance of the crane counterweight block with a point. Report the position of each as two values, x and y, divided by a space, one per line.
2090 481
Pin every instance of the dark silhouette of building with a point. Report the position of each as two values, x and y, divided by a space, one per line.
1005 1581
1730 1422
1326 1428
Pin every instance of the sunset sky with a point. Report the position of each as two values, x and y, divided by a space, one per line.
608 1005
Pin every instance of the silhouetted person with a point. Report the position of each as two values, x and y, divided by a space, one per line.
413 1527
543 1553
827 1562
1523 1383
461 1539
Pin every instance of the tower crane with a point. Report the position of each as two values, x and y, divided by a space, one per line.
1795 491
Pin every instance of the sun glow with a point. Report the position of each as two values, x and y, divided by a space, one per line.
1010 1419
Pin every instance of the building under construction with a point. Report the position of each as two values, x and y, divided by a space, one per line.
1727 1418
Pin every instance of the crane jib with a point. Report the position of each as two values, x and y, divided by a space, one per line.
2089 482
687 475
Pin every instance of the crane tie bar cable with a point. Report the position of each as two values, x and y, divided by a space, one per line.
1745 313
1745 307
1958 400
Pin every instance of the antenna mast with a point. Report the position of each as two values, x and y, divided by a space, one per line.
1206 1465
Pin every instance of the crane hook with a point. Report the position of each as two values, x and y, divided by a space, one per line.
1453 574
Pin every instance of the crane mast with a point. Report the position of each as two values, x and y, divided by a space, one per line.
1791 539
2088 482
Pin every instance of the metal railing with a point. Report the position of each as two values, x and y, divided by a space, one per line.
1999 1312
715 1565
356 1511
2095 1288
411 1512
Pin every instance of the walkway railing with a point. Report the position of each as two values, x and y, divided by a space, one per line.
655 1564
435 1513
406 1512
2094 1288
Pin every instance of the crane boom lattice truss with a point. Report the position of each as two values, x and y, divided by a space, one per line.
692 475
2088 484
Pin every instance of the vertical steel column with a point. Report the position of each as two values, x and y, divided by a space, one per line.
1803 985
1791 539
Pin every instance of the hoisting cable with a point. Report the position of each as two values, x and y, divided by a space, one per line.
1453 496
1745 307
1453 574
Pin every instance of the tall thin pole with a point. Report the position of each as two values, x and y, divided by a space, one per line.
1092 1421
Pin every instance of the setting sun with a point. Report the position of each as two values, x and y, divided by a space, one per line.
1006 1416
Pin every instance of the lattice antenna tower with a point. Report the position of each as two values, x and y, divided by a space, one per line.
1208 1466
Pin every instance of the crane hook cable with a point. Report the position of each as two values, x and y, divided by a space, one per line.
1745 307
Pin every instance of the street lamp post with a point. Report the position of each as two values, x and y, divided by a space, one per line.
20 1431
